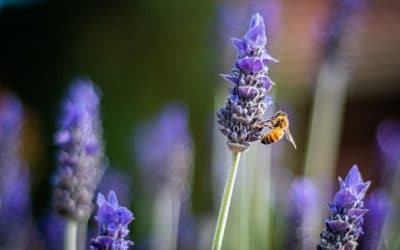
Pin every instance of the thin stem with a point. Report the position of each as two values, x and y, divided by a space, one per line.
82 234
70 236
226 202
166 213
175 209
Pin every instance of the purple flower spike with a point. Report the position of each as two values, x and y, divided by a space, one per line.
167 163
113 222
14 178
344 226
80 157
379 205
15 207
247 104
388 140
303 198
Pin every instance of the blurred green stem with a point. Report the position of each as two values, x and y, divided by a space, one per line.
82 233
70 236
226 202
324 132
166 219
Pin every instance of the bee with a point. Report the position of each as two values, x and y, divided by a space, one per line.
279 128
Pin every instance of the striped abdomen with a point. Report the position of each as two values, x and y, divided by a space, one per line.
273 136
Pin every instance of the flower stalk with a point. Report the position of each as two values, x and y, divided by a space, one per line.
245 107
70 235
226 202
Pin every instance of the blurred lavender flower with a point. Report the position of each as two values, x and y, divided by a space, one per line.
388 139
113 221
248 98
80 155
344 226
14 178
164 149
338 24
302 200
188 228
52 229
378 204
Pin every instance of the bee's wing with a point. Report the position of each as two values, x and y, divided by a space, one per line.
289 137
265 124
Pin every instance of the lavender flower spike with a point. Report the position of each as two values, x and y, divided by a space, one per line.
15 206
344 226
80 156
303 197
248 98
113 222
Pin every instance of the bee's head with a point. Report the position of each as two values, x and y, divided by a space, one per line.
280 113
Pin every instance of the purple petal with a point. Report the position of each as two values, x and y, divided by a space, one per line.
267 58
332 208
247 92
112 198
62 137
255 37
342 183
337 226
268 83
102 242
230 78
344 198
268 100
250 65
92 148
125 215
240 45
360 189
100 200
256 20
353 177
357 212
107 215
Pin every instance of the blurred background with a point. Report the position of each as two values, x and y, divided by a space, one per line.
337 78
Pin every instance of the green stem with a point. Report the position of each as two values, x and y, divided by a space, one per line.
226 202
70 235
82 232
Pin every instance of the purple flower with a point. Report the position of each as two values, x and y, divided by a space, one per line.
80 157
164 149
344 226
248 98
378 204
52 227
188 234
388 140
14 177
113 221
338 24
302 201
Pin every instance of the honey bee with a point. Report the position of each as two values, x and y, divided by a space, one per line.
279 127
